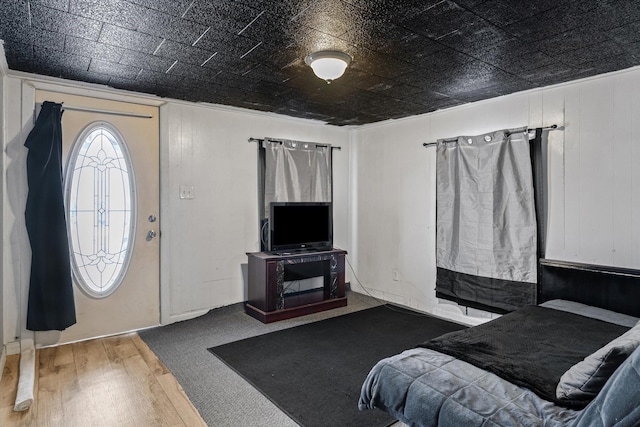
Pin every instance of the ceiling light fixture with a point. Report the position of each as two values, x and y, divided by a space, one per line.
328 64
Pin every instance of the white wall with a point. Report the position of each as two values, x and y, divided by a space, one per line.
594 183
205 240
384 191
16 254
3 71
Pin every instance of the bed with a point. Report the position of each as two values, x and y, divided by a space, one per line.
571 360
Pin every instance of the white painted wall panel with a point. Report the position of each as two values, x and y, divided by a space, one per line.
634 194
205 239
625 90
572 195
384 191
3 137
396 197
593 197
553 112
595 172
16 251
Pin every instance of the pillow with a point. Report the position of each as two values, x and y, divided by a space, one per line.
585 379
619 401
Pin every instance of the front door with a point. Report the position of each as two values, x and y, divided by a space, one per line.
131 284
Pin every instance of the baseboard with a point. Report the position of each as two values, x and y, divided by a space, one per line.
12 348
455 316
185 316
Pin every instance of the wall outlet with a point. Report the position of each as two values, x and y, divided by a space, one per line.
395 274
186 192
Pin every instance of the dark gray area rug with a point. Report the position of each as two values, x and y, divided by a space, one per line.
314 372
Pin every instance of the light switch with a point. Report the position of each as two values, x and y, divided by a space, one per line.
186 192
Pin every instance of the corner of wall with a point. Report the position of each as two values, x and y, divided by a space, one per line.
3 136
3 360
352 210
4 67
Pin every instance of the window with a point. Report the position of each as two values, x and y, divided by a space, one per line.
100 203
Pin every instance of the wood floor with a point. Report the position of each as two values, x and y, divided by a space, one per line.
115 381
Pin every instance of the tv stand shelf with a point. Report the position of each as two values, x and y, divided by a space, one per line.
267 300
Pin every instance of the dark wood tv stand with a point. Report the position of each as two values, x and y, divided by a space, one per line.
267 300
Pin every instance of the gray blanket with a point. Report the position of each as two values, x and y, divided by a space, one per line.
422 387
618 403
531 347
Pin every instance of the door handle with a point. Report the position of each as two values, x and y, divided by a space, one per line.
150 235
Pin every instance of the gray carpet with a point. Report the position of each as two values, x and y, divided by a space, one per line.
223 397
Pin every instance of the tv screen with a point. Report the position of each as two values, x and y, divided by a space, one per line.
300 226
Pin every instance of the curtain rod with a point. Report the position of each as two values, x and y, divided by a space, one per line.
280 142
429 144
115 113
98 111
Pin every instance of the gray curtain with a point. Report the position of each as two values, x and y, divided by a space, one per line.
486 244
296 171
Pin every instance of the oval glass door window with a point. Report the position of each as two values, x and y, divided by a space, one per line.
100 200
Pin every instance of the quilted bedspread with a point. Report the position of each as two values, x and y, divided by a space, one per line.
440 390
531 347
424 387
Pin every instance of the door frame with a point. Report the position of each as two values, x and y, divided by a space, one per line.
55 337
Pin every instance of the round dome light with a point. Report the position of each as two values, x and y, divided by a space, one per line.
328 64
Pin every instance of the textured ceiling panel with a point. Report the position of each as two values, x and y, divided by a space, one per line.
409 56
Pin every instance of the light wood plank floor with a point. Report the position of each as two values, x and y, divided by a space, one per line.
115 381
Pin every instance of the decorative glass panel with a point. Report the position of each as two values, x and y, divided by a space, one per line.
100 199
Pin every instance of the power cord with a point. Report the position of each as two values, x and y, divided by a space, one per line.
262 233
386 304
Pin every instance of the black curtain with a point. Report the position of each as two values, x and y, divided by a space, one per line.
51 305
539 167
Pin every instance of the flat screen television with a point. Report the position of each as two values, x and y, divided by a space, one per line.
300 226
